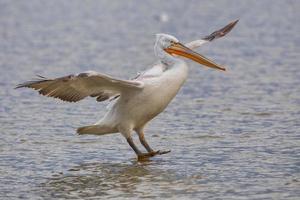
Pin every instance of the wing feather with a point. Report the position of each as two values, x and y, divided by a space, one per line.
215 35
221 32
74 88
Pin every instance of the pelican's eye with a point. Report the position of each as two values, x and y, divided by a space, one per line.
172 43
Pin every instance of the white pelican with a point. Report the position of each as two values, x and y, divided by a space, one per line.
135 102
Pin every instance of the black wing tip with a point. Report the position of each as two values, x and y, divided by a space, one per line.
27 84
236 21
221 32
40 76
19 86
233 23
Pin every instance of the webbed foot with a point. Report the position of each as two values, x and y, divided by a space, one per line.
146 156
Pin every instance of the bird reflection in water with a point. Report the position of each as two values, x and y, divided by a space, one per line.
101 179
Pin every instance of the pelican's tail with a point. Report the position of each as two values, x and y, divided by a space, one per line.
96 130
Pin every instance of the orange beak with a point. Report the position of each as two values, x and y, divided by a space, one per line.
181 50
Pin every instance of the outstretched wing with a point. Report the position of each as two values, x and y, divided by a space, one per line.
215 35
74 88
221 32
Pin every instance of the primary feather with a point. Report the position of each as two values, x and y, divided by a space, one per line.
74 88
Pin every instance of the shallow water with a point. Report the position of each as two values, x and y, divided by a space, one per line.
233 135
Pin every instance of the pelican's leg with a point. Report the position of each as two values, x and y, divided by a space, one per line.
140 155
144 142
147 147
133 146
126 132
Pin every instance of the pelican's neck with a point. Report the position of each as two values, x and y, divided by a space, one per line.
163 56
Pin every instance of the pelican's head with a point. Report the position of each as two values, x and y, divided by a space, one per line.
165 40
173 47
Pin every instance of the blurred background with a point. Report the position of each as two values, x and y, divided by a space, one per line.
233 135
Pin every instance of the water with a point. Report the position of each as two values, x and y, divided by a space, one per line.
233 135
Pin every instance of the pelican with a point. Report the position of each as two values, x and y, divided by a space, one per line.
133 103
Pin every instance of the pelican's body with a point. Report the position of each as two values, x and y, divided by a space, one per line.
133 102
134 109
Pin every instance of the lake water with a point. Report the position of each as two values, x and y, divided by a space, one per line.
233 135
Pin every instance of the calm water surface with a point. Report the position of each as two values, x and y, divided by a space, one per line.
233 135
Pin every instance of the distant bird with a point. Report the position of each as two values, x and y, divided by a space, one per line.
133 102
